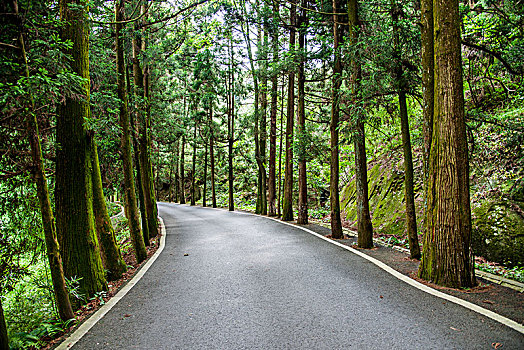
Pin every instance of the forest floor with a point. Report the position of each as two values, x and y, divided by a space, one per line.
114 287
502 300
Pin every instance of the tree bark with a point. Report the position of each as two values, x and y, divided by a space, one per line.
137 237
409 193
145 154
447 258
139 143
272 210
193 166
230 126
182 166
334 197
74 193
110 253
280 150
287 207
4 341
141 81
204 190
365 227
65 311
302 217
177 162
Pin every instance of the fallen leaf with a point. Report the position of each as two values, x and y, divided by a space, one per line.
381 297
127 315
488 302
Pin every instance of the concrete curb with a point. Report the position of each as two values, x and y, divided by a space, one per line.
119 214
503 281
93 319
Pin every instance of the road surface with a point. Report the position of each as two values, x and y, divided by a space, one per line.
238 281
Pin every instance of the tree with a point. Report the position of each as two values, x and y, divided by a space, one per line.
272 210
364 226
4 341
301 119
287 206
137 237
447 258
409 193
336 223
63 303
74 193
112 259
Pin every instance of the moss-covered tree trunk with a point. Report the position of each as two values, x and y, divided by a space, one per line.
287 203
271 185
182 170
364 226
110 253
409 192
302 217
4 341
447 258
334 198
73 191
137 237
63 303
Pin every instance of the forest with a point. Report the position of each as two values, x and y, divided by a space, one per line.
402 120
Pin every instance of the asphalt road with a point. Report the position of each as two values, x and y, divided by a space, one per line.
252 283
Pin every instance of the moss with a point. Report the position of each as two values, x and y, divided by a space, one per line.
386 198
498 232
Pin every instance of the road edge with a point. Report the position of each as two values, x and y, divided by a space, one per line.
97 316
485 312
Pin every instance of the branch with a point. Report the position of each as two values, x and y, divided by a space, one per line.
497 55
174 15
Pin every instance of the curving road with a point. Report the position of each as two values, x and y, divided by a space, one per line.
249 282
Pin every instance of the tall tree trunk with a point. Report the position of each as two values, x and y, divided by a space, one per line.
287 207
447 258
181 176
4 341
193 166
139 143
137 237
272 210
74 194
63 304
204 190
336 223
263 118
145 139
409 193
364 226
145 154
280 150
301 121
428 89
110 253
177 162
230 125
